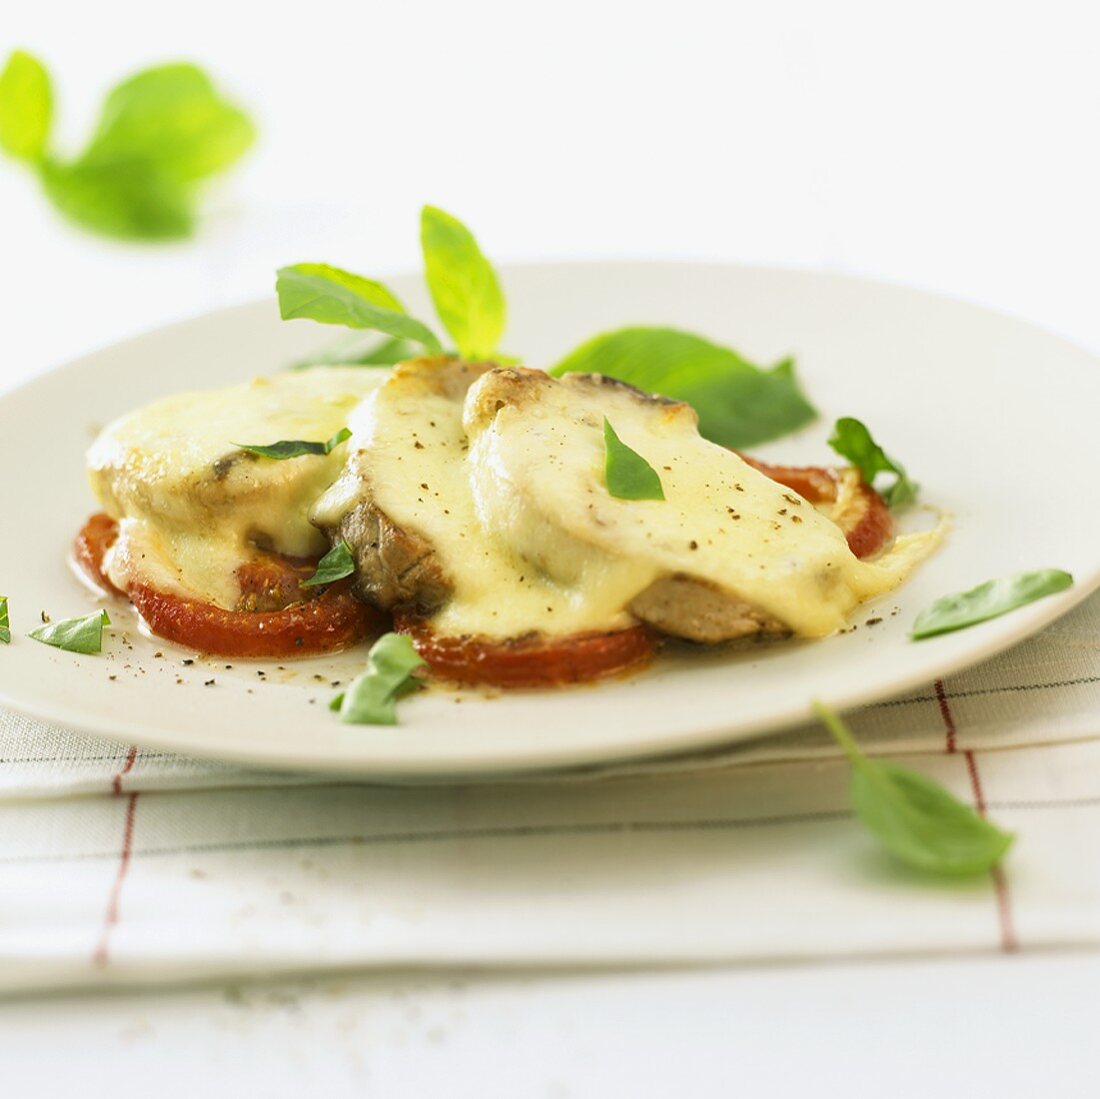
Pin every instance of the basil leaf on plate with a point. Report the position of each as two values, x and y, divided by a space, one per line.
160 133
26 107
629 476
5 630
371 698
988 600
75 635
851 440
330 295
294 448
913 817
387 352
335 565
739 404
463 284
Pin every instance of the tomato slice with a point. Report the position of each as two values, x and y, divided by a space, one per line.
277 618
530 661
866 520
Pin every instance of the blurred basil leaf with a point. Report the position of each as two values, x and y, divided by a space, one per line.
5 631
26 107
160 134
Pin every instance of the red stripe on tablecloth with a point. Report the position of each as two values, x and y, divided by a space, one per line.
945 713
1005 921
110 917
127 767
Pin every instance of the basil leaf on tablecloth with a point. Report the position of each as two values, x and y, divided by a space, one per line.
913 817
5 631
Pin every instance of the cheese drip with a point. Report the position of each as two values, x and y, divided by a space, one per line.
192 507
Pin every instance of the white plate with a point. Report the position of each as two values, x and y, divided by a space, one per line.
996 419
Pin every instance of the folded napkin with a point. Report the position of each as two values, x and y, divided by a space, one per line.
119 865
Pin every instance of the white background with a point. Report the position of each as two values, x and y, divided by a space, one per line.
946 145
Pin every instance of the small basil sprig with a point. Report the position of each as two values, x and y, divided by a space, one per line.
851 440
988 600
463 284
294 448
160 134
75 635
739 404
5 631
912 816
371 698
629 476
329 295
335 565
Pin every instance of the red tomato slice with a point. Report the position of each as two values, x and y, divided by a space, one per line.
278 618
531 661
867 522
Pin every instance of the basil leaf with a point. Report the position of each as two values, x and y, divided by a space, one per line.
5 630
629 476
294 448
173 117
371 697
335 565
463 284
739 404
913 817
26 107
75 635
388 352
131 201
851 440
988 600
329 295
159 134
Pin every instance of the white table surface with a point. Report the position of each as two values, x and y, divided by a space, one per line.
949 146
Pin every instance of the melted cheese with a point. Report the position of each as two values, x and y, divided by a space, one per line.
512 497
192 506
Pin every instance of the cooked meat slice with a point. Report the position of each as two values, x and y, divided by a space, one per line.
695 611
396 564
393 567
